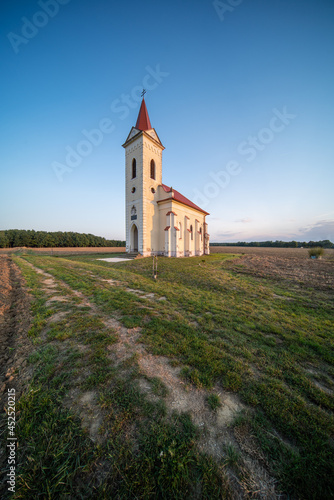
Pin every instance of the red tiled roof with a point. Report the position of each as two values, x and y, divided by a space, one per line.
175 195
143 120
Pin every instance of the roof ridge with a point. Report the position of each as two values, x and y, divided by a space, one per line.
177 196
143 120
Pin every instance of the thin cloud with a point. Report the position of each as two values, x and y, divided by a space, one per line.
227 234
322 230
244 221
323 215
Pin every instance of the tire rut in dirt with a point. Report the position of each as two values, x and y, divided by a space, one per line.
14 325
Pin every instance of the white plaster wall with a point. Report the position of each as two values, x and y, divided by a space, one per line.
143 149
187 216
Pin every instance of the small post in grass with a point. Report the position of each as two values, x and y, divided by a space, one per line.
155 266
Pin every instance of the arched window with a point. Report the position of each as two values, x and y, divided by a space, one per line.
180 228
134 168
191 231
152 169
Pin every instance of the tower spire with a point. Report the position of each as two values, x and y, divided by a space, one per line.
143 120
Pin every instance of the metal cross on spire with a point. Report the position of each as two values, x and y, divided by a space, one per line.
143 93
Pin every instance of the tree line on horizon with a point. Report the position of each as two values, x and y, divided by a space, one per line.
12 238
278 244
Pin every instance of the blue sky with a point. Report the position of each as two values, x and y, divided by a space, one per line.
239 91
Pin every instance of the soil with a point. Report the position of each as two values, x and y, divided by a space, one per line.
15 319
15 345
316 274
286 253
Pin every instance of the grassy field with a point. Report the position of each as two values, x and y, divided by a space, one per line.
61 251
214 381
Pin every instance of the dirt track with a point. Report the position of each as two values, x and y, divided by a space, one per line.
14 325
15 345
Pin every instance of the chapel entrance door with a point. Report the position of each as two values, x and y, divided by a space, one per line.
134 238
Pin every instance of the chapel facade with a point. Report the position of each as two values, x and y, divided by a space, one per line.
159 219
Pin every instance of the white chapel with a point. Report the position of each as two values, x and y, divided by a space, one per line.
159 219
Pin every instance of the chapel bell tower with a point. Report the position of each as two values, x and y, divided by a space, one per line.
143 175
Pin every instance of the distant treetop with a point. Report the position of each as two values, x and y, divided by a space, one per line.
11 238
278 244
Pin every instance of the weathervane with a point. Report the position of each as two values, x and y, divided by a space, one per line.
143 93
